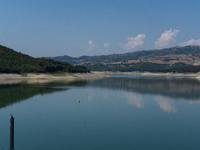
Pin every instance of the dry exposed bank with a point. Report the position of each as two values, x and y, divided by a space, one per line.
5 76
44 78
194 75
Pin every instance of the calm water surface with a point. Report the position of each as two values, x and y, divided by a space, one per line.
116 113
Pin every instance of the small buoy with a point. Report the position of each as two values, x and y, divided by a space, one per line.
78 101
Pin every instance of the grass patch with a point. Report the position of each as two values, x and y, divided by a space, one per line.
24 82
63 74
59 75
24 75
73 75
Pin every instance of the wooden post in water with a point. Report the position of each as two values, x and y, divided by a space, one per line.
12 133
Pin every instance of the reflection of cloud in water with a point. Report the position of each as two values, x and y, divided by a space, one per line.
90 95
105 95
190 101
165 104
134 99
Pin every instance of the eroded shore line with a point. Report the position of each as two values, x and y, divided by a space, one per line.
13 76
194 75
44 78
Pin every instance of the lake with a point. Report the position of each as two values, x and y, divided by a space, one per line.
116 113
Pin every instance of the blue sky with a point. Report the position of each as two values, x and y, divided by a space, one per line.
43 28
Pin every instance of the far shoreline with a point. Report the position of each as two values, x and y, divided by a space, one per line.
9 78
29 76
193 75
14 78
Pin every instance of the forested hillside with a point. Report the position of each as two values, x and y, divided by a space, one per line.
175 59
16 62
166 55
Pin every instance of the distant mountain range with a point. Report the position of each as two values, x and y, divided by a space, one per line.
175 59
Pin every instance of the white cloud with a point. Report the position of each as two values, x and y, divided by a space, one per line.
191 42
92 46
134 41
106 45
166 38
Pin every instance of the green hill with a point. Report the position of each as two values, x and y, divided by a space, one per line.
180 59
150 55
16 62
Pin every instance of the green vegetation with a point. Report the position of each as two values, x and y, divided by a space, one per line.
24 75
186 69
16 62
147 60
59 75
141 67
144 54
62 75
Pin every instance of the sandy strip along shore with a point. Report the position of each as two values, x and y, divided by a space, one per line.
51 76
193 75
44 78
92 75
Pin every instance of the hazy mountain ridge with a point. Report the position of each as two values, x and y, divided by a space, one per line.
191 51
144 60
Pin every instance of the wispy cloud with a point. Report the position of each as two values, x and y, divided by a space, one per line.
106 45
166 38
134 41
92 46
191 42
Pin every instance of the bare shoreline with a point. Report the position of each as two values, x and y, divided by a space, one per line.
44 78
193 75
41 76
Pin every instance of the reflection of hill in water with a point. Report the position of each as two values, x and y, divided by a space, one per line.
16 92
188 89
